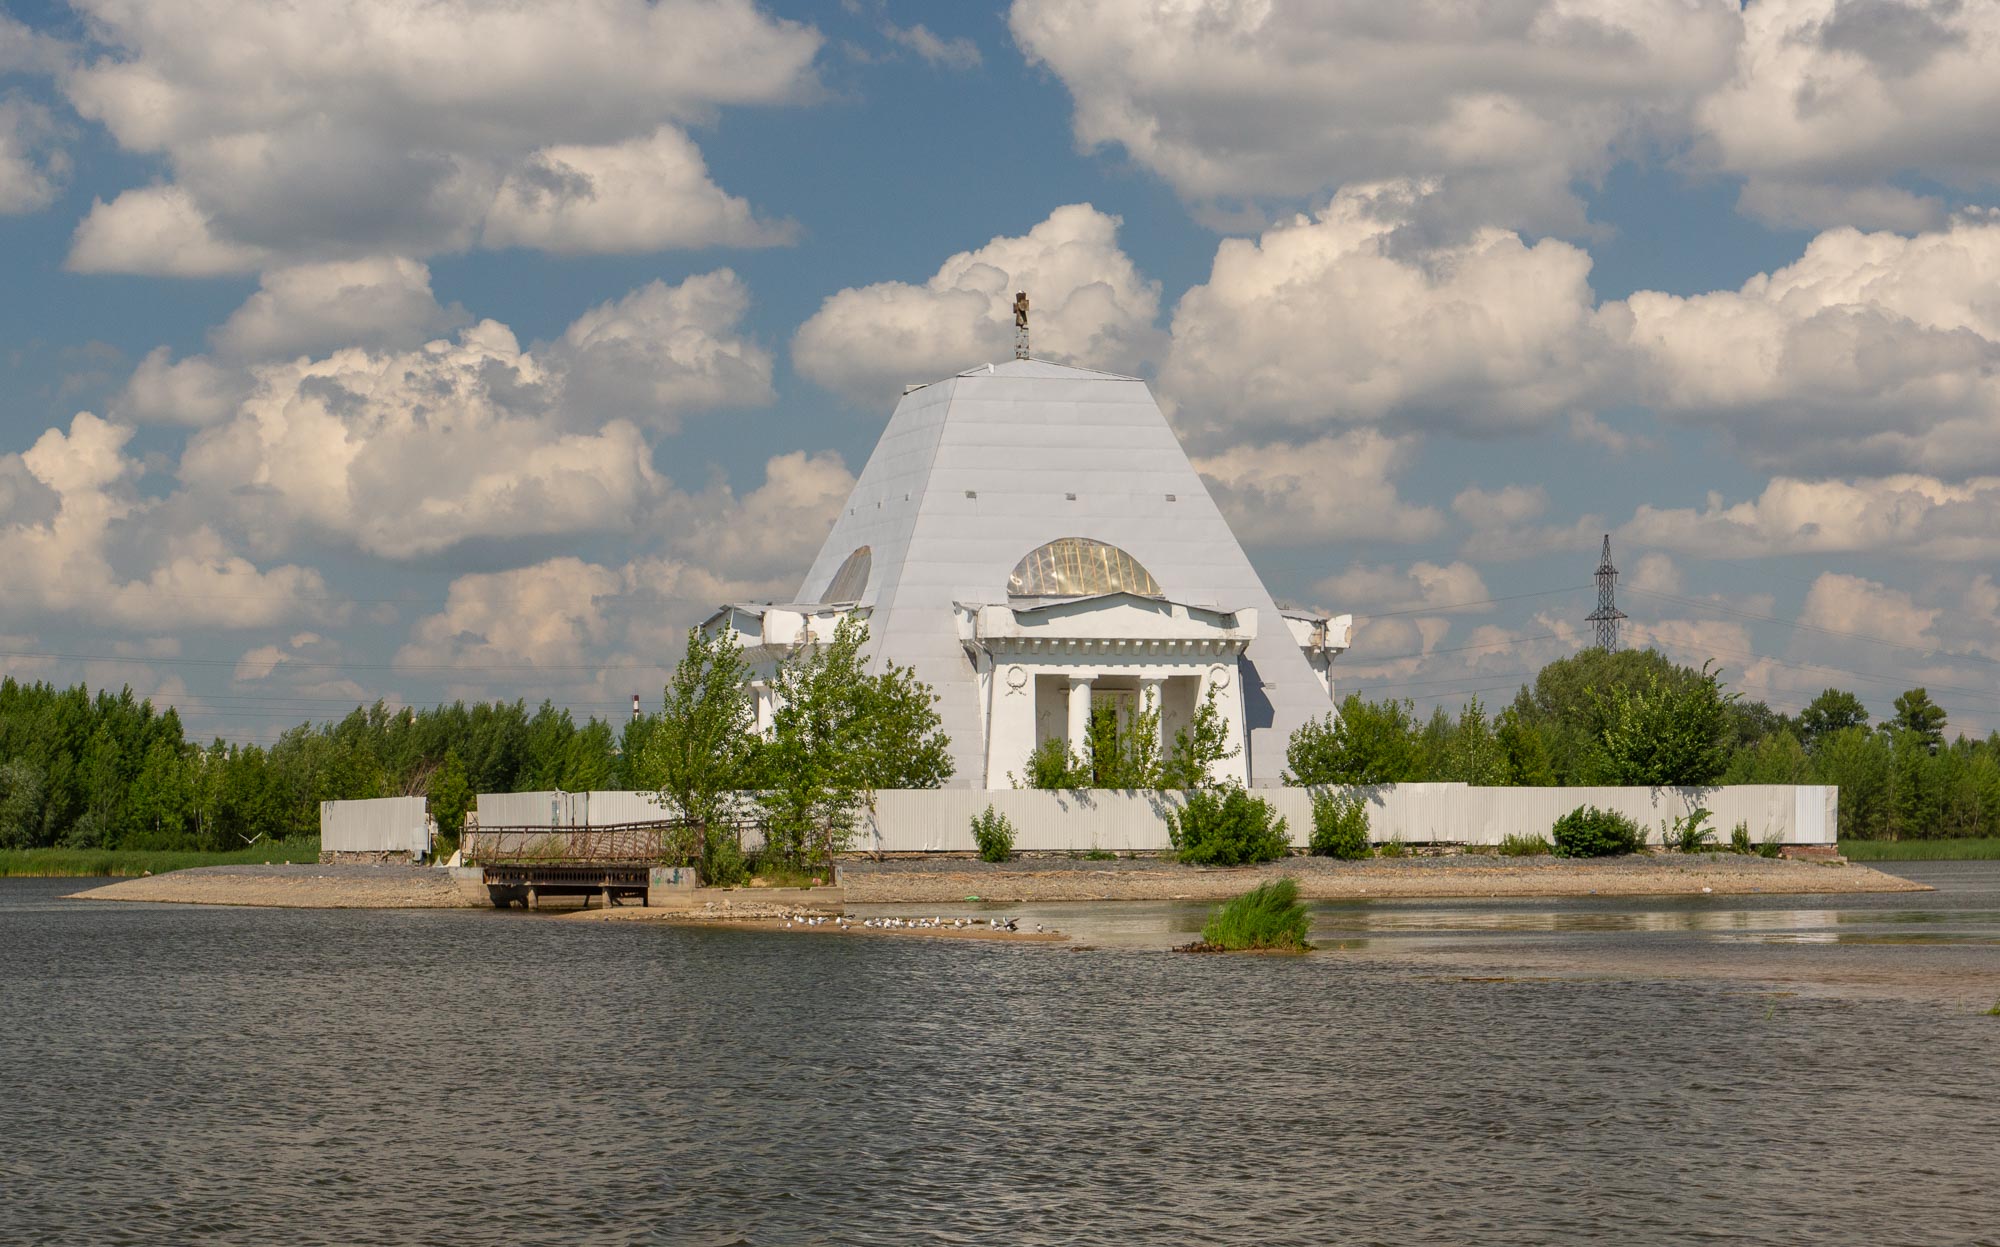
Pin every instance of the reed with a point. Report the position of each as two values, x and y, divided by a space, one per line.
101 863
1266 917
1969 849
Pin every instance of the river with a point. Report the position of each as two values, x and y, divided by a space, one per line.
1742 1070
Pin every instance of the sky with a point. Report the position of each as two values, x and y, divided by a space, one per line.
428 349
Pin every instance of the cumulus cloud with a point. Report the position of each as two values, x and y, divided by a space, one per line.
1510 104
379 301
663 351
1421 587
1331 320
194 391
1873 350
33 168
160 231
1510 504
1091 307
1333 488
1913 515
362 128
626 623
953 53
408 453
71 518
1832 101
644 194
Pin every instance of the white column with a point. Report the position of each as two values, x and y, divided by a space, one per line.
1079 711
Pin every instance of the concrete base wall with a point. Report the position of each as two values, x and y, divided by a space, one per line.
940 820
366 857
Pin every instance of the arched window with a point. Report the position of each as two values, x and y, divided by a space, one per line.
851 581
1079 567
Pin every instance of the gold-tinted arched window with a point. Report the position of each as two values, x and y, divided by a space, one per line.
851 580
1079 567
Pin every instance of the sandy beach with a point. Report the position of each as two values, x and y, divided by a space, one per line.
949 882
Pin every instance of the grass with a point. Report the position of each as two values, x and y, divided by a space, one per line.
777 874
1517 845
1269 916
95 863
1969 849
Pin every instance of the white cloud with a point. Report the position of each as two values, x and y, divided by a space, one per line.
33 169
1510 104
379 301
664 351
1331 320
1090 306
409 453
1841 603
1831 102
157 230
194 391
1334 488
1917 515
954 53
70 518
1873 351
1420 587
1510 504
1655 573
357 127
644 194
772 531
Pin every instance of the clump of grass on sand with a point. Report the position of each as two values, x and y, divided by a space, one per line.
1266 917
1968 849
100 863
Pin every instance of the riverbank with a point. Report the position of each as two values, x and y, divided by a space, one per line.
930 882
135 863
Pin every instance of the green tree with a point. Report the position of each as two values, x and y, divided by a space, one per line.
1917 714
451 799
1832 711
1198 747
1776 759
1366 743
1524 745
1856 761
701 749
1122 751
1473 754
1665 734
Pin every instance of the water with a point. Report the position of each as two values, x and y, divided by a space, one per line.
1505 1072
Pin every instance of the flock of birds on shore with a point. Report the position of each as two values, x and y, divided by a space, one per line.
909 924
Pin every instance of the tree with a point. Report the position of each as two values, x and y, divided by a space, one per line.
836 734
1198 747
1568 701
700 751
1666 734
1918 714
451 798
1366 743
1122 753
1525 747
1776 759
1856 761
1472 753
1832 711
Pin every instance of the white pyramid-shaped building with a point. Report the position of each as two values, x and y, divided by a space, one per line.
1032 539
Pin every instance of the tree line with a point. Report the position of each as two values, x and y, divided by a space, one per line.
1635 718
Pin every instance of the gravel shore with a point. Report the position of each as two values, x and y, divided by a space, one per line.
929 882
297 887
932 881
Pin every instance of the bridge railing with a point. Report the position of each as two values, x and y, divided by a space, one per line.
649 842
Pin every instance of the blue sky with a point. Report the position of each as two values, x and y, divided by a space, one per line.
471 350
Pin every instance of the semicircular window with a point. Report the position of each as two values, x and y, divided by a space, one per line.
851 580
1079 567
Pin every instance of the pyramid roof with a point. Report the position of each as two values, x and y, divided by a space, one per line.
974 471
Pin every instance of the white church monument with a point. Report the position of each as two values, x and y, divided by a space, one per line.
1032 540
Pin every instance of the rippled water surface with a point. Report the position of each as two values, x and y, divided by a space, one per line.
235 1075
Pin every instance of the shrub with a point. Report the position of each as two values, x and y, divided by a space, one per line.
1340 827
1739 839
1394 847
1525 846
1690 834
1226 827
994 834
1264 917
1587 831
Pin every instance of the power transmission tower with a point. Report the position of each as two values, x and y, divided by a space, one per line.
1607 614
